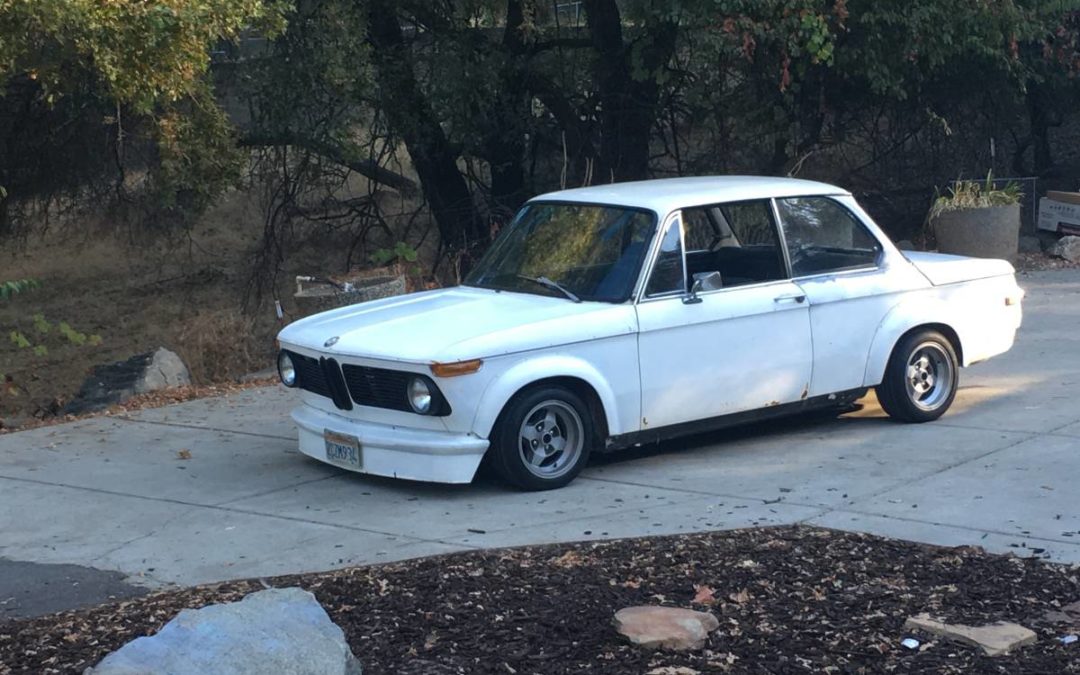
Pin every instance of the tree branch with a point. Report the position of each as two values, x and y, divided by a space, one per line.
339 154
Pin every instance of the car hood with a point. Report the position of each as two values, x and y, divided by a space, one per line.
942 269
456 324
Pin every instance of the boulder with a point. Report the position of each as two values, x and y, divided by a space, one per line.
117 382
281 630
995 639
1067 248
665 627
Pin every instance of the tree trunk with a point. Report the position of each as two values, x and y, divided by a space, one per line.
504 146
1040 127
414 120
628 104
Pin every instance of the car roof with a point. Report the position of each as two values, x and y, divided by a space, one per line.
667 194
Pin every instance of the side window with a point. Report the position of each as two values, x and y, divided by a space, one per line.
823 236
698 230
738 240
667 272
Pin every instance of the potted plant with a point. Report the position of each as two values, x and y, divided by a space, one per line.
978 219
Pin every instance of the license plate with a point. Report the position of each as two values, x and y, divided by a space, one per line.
343 449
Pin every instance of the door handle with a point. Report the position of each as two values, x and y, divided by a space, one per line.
794 297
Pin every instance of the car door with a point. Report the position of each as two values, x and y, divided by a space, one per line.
743 345
836 260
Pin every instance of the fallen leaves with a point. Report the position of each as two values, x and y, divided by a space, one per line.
703 595
740 598
822 601
183 453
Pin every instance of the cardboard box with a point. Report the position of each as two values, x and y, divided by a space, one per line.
1060 212
1066 197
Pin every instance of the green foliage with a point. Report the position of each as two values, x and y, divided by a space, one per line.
19 340
145 53
132 78
41 325
971 194
401 252
10 288
37 343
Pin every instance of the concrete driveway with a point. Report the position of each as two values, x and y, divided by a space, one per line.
1001 471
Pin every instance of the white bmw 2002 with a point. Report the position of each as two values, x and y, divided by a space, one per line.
609 316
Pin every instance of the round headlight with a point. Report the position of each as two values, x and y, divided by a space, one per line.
420 396
286 370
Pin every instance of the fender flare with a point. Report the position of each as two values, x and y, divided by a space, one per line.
904 316
499 392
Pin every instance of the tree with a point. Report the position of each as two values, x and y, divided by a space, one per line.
136 70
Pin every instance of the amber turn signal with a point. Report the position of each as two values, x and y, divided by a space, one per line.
455 369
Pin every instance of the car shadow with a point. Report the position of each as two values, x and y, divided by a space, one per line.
864 412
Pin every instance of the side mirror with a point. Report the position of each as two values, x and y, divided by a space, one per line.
691 298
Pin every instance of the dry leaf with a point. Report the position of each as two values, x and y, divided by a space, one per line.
569 559
742 597
183 454
703 595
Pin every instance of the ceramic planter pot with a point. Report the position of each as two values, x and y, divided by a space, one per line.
990 232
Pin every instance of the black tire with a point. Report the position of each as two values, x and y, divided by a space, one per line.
569 422
921 378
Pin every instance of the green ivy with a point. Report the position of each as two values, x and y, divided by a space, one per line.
400 252
11 288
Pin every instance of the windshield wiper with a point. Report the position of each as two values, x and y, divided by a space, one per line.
548 283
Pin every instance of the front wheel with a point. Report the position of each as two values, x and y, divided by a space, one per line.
543 438
921 378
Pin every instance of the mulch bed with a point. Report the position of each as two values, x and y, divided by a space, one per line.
789 600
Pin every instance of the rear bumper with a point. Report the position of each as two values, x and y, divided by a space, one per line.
395 452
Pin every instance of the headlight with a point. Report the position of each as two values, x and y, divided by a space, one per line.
420 396
286 370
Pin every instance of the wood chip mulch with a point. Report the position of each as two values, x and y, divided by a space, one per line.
789 600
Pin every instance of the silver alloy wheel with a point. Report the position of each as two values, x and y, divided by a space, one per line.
551 439
929 378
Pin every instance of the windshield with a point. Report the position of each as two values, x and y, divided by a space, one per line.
594 252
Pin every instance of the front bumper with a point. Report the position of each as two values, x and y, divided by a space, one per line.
392 451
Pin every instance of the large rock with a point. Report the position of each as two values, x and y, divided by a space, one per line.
995 639
665 627
116 382
283 631
1067 248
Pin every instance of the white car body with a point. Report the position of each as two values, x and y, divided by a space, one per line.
655 366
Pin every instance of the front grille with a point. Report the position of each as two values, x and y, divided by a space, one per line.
310 375
374 387
322 377
378 387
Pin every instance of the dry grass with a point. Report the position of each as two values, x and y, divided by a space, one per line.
184 293
223 344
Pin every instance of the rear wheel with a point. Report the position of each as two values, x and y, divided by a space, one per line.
921 378
543 438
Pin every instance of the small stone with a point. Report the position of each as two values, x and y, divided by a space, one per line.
995 639
1067 248
665 627
281 630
